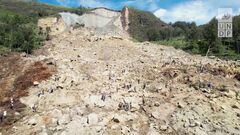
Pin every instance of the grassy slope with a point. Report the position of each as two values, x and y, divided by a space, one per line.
142 22
35 8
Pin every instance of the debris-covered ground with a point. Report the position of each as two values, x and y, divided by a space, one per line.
109 85
16 76
99 81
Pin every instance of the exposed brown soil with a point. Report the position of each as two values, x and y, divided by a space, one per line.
37 72
15 79
10 67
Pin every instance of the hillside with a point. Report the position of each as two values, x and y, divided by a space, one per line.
85 83
144 25
34 8
91 77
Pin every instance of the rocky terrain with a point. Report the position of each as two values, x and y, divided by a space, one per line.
109 84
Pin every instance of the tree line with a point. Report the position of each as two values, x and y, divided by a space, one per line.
187 36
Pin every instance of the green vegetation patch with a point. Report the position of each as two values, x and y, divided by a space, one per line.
19 33
144 26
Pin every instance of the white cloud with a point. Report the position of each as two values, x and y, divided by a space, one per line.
196 11
152 5
199 11
160 13
90 3
223 3
64 2
149 5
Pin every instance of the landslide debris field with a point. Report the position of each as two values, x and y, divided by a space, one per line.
86 82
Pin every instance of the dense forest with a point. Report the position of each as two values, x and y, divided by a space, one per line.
18 24
187 36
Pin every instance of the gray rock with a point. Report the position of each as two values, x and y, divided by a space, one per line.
35 83
116 120
157 104
17 114
193 123
180 104
23 54
155 114
32 121
163 127
96 100
64 133
43 133
125 130
92 119
205 90
64 119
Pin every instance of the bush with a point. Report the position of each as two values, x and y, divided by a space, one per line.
19 33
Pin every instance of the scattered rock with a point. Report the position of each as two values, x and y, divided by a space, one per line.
32 121
96 100
223 88
43 133
180 105
35 83
114 127
23 54
92 119
157 104
206 90
238 95
17 114
230 94
237 76
193 123
64 119
125 130
154 86
156 114
235 107
116 120
163 127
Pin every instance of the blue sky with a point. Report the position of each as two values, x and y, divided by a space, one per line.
199 11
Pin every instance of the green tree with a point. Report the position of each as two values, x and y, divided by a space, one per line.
19 33
211 37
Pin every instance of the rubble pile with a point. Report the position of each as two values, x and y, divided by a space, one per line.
109 85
